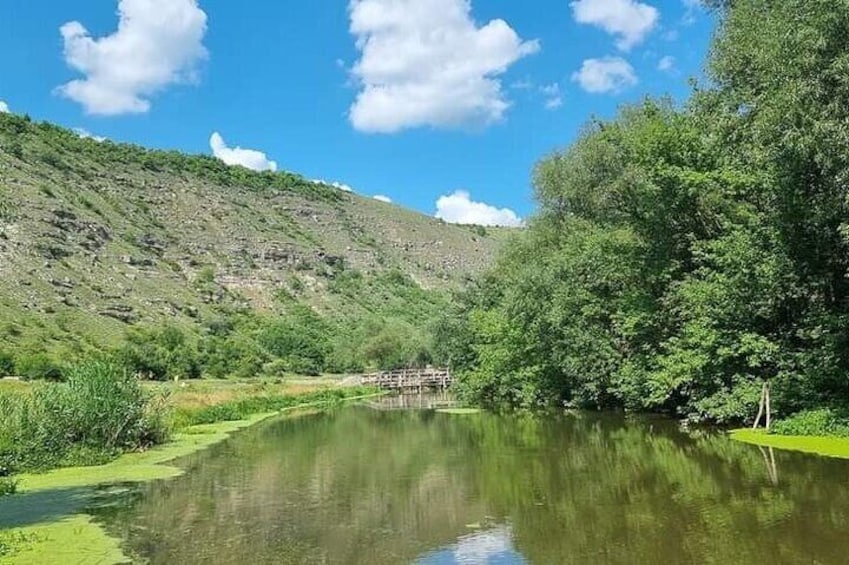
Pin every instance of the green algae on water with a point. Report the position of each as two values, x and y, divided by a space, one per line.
76 539
825 446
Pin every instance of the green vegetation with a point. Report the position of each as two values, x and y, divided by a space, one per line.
103 410
100 411
820 422
683 256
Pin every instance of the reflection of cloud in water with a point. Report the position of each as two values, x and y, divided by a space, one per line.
494 546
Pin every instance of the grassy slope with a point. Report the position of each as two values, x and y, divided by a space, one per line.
93 235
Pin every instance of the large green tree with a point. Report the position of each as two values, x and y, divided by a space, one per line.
682 256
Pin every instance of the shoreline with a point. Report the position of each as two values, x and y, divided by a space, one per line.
45 522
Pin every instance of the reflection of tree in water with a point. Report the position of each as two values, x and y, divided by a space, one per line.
360 486
608 490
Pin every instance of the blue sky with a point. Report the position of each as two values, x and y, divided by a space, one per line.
411 99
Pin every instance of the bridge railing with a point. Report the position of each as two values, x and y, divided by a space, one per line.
409 379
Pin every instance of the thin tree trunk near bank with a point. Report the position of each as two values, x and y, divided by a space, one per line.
768 408
764 407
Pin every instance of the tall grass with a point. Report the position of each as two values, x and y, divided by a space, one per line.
100 411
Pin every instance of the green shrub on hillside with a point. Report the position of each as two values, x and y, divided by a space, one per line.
300 339
160 354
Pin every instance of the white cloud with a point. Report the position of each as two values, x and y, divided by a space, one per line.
85 134
383 198
4 108
609 74
158 43
631 21
341 186
553 97
693 9
459 208
429 64
666 63
248 158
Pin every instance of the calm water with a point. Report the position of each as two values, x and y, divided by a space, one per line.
363 486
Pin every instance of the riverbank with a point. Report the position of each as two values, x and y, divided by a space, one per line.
45 522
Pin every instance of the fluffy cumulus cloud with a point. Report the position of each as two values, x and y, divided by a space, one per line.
338 185
459 208
85 134
666 64
630 21
429 64
248 158
158 43
4 108
606 75
383 198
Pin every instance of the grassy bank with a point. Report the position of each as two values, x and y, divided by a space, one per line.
822 431
817 445
45 520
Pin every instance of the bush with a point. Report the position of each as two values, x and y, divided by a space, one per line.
160 354
38 367
300 340
106 407
822 422
101 411
7 364
8 486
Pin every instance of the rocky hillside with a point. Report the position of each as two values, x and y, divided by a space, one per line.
96 237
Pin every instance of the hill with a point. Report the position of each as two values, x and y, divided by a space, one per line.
97 237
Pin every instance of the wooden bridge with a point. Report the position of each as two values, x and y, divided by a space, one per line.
410 379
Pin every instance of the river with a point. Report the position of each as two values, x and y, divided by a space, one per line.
359 485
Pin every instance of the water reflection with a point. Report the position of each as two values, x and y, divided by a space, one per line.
425 401
363 486
494 546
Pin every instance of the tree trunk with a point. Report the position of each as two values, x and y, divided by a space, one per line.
761 408
768 407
